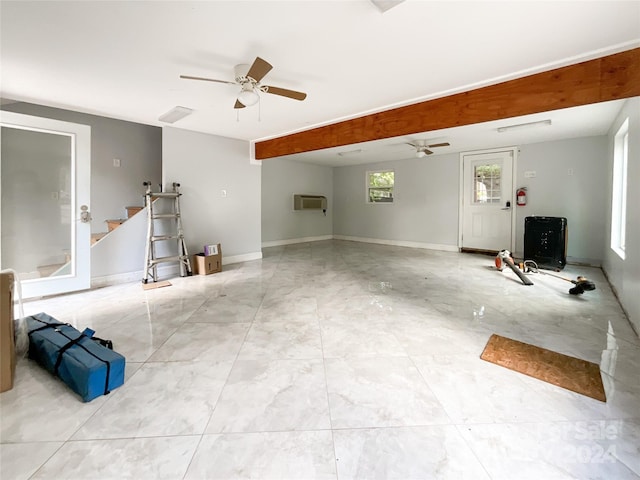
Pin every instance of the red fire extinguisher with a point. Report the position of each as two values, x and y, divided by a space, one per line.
521 196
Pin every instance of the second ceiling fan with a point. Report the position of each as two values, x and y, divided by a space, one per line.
248 78
422 148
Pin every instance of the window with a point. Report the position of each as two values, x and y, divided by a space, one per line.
619 198
487 187
380 186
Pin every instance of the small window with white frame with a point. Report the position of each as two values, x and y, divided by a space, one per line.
619 194
380 186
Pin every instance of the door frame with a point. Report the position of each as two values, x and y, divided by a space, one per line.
514 152
80 276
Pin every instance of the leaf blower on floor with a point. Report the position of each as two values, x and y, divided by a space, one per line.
504 258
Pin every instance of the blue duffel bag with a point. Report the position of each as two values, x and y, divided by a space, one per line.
87 367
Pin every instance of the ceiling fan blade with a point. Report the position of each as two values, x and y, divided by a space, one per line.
445 144
259 69
238 104
283 92
189 77
412 145
428 152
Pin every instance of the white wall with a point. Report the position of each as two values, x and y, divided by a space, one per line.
580 197
281 179
205 165
138 146
425 207
624 275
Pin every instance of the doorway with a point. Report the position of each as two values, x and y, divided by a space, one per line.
486 204
45 190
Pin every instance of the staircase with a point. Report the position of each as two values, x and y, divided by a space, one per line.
113 224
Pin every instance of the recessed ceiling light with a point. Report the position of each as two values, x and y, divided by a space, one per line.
175 114
522 126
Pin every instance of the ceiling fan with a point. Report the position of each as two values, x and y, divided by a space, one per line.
248 78
422 148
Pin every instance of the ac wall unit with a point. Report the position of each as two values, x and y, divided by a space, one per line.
309 202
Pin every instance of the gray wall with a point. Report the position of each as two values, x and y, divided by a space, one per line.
281 179
425 207
624 275
580 197
205 165
139 148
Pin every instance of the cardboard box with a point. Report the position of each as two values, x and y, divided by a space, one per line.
206 264
7 339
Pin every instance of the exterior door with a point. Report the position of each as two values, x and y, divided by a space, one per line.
45 236
487 200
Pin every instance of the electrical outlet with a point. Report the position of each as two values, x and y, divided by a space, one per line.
54 195
530 174
116 162
223 193
570 171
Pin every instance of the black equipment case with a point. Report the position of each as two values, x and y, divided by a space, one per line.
545 241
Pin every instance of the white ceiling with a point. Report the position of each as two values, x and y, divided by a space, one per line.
123 59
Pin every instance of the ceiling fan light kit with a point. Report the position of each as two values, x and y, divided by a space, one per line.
248 97
248 78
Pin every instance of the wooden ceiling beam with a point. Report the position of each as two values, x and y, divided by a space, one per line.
607 78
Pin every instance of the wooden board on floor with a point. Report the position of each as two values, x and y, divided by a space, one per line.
151 286
561 370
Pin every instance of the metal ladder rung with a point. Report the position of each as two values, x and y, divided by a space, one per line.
164 237
165 195
178 258
165 215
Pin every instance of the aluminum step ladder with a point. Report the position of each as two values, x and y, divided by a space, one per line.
169 220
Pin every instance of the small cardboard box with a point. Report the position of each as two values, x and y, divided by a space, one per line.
7 339
207 264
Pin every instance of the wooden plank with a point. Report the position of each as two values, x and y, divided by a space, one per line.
607 78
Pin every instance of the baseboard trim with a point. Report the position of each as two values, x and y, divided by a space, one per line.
399 243
291 241
163 271
119 278
245 257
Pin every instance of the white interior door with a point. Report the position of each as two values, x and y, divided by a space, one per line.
487 200
45 168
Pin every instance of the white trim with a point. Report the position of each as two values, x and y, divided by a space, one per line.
514 153
291 241
120 278
163 271
399 243
245 257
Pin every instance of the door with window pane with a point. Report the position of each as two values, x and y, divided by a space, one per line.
487 200
45 238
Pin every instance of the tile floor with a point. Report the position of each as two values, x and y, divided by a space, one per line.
334 360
